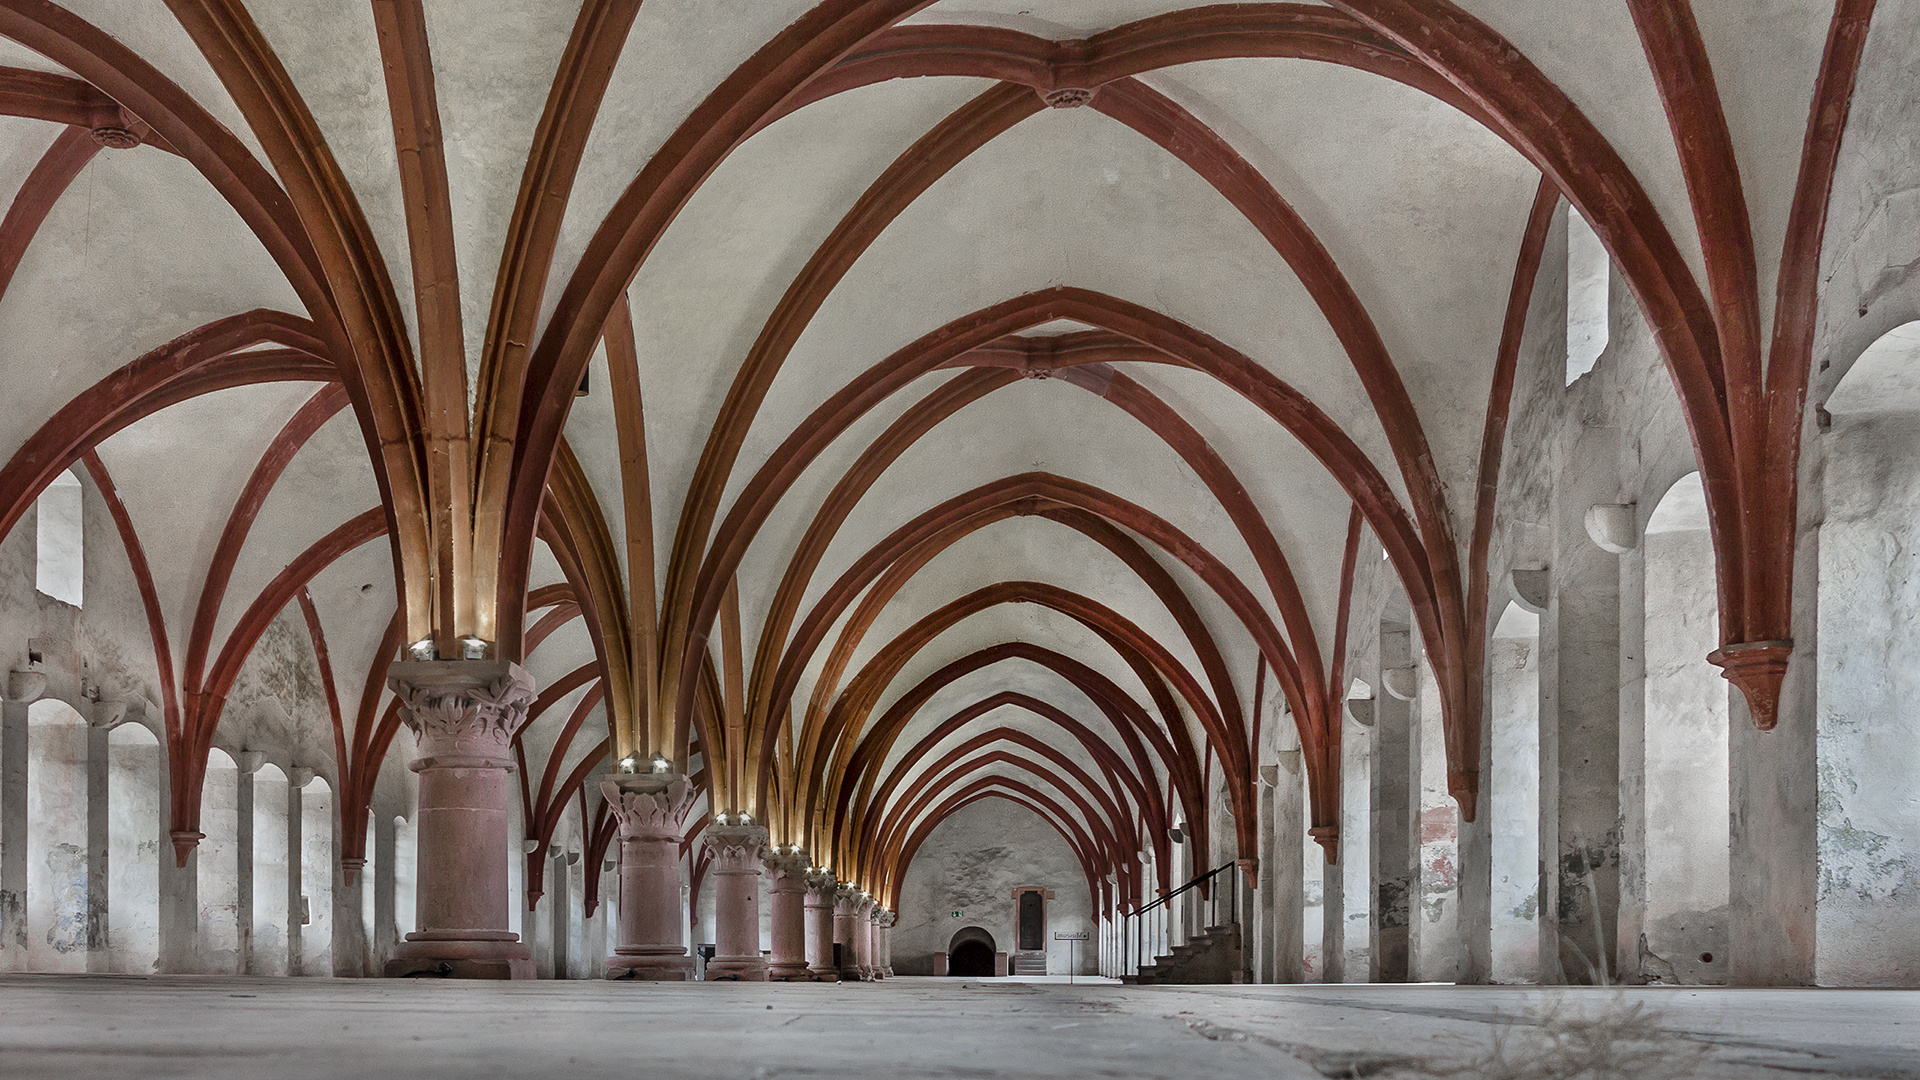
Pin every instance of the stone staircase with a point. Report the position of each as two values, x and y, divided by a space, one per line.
1028 963
1213 956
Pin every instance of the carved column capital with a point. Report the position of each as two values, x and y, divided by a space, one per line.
649 806
847 900
822 887
885 920
787 870
463 712
736 848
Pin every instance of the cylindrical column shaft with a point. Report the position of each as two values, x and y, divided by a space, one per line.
736 891
463 714
847 932
787 910
651 809
821 888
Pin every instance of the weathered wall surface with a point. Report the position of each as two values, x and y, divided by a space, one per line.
1869 686
971 863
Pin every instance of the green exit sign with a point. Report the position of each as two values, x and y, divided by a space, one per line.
957 914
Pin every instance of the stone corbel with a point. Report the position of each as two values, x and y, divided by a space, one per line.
26 685
1614 527
1400 683
250 761
299 776
1531 589
1361 710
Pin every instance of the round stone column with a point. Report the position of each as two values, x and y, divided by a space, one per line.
736 903
786 904
463 714
863 936
849 931
876 967
821 888
651 809
884 953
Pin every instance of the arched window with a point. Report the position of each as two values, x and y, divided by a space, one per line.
1589 274
59 539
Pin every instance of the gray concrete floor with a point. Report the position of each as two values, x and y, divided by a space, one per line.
102 1027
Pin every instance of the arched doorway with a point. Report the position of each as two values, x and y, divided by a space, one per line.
970 954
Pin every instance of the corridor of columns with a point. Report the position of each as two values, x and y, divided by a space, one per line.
1382 491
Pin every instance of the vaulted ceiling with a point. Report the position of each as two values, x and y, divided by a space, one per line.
1012 380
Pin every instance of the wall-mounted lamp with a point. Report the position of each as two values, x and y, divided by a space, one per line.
421 650
630 764
661 764
473 648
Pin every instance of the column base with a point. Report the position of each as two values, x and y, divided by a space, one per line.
823 974
789 972
460 959
853 974
737 969
656 967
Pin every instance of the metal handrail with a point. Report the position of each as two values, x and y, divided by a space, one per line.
1208 876
1137 937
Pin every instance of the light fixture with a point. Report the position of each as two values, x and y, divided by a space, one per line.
745 818
421 650
720 819
661 764
473 648
630 764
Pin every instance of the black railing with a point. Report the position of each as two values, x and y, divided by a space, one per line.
1138 933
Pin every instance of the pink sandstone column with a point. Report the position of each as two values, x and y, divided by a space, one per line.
463 714
863 936
786 904
652 811
821 888
848 931
884 954
736 899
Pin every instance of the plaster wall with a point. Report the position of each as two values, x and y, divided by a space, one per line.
56 838
1513 804
316 878
1687 768
971 863
270 955
135 835
1869 682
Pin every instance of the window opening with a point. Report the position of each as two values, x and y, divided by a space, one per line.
1589 273
59 565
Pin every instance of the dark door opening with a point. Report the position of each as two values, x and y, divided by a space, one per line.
972 960
1033 921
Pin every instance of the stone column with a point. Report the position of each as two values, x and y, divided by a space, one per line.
821 890
297 914
1287 871
883 942
105 715
787 906
863 936
1580 726
463 714
13 823
736 903
1391 848
847 913
652 938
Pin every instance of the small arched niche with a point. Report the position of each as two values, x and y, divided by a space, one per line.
970 953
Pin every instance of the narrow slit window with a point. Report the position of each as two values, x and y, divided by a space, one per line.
1589 272
60 566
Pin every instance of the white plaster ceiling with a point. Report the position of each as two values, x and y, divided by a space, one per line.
1421 209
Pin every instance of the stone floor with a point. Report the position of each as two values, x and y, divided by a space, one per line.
101 1027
